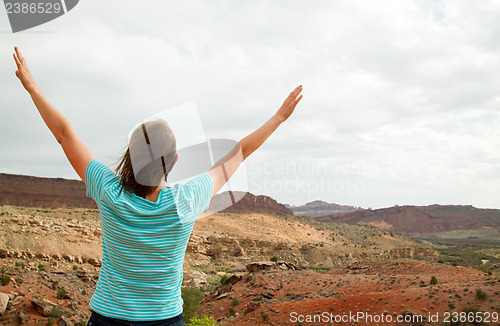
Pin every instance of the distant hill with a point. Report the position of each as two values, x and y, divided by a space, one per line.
247 203
320 208
422 219
22 190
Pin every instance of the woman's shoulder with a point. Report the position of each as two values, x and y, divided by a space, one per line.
98 178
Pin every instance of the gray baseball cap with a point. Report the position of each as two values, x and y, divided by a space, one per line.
153 150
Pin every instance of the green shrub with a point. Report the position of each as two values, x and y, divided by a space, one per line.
434 280
191 297
202 321
274 258
5 279
50 321
224 278
480 294
61 293
232 312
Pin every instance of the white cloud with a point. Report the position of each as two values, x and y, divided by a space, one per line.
405 89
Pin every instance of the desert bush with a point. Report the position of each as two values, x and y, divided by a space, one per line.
191 297
202 321
61 293
274 258
480 294
236 302
5 279
232 312
434 280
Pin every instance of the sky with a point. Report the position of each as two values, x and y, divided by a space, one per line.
401 98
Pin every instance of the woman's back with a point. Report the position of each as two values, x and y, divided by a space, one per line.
143 245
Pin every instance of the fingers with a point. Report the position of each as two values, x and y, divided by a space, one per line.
19 55
298 100
17 61
296 91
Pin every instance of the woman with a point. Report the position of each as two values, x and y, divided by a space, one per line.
145 225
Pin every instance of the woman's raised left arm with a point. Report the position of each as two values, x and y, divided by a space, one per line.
76 151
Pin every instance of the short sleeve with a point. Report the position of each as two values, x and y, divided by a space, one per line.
195 195
97 177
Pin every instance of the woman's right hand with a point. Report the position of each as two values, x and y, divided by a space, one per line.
23 73
289 104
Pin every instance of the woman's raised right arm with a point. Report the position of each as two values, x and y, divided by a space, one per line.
76 151
222 171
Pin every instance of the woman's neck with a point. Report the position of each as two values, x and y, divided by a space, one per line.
153 197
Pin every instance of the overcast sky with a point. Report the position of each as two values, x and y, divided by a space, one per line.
401 98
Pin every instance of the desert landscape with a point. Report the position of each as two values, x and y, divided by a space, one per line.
259 263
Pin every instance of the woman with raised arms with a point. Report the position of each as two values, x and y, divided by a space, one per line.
145 225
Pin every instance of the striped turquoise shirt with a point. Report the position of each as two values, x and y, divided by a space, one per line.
143 244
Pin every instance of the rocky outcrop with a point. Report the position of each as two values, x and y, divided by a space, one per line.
247 204
47 308
195 278
320 208
409 253
4 301
266 265
27 254
222 290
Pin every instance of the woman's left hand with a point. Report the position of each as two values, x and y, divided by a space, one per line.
23 73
